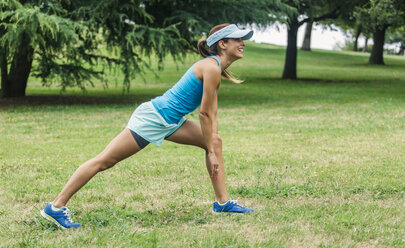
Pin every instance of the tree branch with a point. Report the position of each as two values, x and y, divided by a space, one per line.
331 15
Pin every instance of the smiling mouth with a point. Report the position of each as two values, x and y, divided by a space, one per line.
240 50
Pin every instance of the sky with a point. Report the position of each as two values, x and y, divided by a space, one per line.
321 38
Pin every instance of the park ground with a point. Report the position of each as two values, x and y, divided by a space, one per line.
320 159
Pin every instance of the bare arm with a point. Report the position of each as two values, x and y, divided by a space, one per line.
215 110
211 79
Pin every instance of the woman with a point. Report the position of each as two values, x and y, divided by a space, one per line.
163 118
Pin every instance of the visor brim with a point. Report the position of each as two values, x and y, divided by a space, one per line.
244 34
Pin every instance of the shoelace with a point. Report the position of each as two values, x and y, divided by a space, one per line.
67 214
235 202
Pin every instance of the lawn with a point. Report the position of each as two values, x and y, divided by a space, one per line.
321 160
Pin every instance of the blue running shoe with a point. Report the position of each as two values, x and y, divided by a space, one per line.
59 216
230 206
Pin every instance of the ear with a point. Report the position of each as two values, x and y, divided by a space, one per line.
222 44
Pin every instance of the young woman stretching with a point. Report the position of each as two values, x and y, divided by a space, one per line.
163 118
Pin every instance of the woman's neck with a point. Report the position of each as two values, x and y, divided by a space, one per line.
225 61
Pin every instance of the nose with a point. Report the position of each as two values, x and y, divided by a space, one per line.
243 42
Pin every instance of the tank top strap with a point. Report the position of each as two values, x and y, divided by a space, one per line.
217 59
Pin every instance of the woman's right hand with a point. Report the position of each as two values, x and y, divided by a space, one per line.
214 165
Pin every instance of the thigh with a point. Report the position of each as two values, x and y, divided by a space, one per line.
189 133
121 147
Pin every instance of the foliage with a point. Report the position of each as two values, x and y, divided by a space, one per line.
198 16
380 14
314 9
397 36
50 33
376 17
305 11
66 35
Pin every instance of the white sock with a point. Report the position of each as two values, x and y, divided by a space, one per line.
55 208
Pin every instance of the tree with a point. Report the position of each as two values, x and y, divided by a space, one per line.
378 16
347 22
305 11
360 30
306 43
397 36
357 33
64 37
196 17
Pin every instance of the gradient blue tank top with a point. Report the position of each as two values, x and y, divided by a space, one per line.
183 98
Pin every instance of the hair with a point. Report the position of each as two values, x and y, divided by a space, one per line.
206 51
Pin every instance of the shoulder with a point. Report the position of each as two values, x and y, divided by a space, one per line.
207 68
211 65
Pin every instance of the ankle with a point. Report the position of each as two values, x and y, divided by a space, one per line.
222 200
57 204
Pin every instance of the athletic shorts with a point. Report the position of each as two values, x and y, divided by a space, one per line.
150 125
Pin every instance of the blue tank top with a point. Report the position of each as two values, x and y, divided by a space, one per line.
183 98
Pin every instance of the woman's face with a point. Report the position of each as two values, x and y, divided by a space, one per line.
235 47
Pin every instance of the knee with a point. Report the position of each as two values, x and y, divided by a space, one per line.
217 142
104 163
216 139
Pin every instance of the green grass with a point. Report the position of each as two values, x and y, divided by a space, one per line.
321 160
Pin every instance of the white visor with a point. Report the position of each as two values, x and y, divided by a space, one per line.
231 31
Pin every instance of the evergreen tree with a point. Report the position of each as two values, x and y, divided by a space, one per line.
64 37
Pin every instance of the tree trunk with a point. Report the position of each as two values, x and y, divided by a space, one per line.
14 83
306 44
365 49
3 63
3 69
376 57
356 40
290 66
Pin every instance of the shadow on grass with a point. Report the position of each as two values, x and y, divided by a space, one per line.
259 90
75 99
317 81
116 215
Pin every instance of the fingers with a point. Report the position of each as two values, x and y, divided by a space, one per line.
214 166
214 171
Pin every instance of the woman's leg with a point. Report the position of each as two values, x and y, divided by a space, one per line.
190 133
121 147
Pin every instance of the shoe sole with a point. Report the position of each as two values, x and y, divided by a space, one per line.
49 218
214 212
